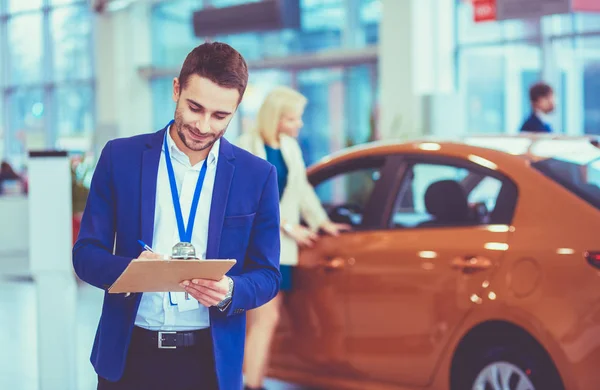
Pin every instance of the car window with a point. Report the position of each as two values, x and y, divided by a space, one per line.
432 195
581 177
486 192
346 194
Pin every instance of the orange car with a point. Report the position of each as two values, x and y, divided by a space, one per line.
472 265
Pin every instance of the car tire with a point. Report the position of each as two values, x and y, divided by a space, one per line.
518 363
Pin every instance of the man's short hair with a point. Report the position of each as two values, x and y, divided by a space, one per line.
218 62
538 91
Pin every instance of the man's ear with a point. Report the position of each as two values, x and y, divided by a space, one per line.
176 89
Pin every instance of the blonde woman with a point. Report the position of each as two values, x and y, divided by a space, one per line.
278 122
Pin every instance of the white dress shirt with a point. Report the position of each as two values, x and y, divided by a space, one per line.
156 311
545 118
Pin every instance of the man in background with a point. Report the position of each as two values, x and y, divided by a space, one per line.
541 97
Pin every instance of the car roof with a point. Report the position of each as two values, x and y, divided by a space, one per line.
504 149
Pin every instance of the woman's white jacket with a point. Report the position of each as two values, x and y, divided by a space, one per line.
299 198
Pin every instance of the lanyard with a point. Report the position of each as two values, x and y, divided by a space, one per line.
185 235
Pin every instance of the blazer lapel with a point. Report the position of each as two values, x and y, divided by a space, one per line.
150 161
223 177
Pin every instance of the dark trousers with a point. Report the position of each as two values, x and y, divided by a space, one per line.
148 367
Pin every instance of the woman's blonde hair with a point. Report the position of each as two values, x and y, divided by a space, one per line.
279 101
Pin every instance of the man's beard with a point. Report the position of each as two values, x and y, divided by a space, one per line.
191 145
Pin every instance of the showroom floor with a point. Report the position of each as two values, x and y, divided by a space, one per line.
18 360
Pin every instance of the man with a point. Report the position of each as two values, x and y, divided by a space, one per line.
145 188
541 97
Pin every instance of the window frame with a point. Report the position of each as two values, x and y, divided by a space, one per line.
378 201
48 81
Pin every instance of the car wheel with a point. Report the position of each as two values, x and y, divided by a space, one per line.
512 365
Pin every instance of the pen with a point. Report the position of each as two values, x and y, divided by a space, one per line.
145 246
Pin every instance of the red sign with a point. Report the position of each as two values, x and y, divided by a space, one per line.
484 10
586 5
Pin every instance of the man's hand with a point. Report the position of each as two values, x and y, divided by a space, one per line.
147 255
207 292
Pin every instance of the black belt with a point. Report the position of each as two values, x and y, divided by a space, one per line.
171 339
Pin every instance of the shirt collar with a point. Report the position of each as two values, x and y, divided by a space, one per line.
545 118
176 153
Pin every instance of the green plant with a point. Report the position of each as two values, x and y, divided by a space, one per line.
79 190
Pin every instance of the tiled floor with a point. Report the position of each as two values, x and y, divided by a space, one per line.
18 358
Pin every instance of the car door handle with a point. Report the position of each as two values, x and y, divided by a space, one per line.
338 262
470 264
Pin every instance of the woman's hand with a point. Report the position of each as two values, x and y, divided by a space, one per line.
303 236
334 229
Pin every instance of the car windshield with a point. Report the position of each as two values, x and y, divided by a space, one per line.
575 168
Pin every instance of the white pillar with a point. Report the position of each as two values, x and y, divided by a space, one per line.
123 97
400 105
552 74
50 242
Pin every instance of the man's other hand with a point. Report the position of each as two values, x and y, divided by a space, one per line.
207 292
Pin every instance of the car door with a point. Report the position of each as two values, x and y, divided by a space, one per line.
410 282
313 335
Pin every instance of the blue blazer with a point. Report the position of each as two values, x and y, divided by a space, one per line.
535 124
243 225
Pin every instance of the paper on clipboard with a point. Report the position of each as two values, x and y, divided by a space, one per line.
150 275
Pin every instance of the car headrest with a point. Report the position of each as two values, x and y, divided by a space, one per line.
446 201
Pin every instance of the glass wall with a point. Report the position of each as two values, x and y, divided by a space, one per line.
341 98
589 57
495 82
499 61
579 64
340 108
46 77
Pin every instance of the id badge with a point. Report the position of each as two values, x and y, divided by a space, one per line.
184 304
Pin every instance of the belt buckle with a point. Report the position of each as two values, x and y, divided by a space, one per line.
160 341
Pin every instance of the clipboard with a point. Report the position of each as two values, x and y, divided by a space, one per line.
150 275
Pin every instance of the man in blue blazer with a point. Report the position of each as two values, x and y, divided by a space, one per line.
182 188
541 97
